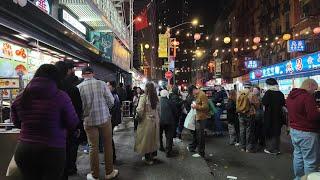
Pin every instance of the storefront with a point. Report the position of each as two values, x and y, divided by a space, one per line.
290 74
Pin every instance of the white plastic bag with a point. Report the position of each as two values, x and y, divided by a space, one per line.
190 121
13 170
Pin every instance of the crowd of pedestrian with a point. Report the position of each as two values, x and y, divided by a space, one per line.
56 113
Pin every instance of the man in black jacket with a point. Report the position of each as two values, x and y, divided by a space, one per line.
115 112
218 101
167 122
68 85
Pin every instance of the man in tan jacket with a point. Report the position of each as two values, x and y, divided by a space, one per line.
202 114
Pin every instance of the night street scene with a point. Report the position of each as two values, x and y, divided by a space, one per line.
160 89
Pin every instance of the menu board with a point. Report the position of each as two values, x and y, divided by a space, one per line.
9 83
10 68
6 93
14 52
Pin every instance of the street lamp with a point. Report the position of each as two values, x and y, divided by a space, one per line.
195 22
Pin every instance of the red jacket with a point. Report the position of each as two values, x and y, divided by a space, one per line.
302 111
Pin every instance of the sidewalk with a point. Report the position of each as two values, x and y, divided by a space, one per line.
131 167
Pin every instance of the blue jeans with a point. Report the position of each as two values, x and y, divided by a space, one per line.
305 155
217 121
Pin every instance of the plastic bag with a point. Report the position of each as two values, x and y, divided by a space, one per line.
190 121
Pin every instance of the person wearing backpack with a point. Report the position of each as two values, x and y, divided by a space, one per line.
244 110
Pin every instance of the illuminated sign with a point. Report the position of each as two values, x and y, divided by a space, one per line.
251 64
296 65
163 46
43 5
296 45
67 17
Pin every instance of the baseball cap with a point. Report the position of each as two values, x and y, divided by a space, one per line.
87 70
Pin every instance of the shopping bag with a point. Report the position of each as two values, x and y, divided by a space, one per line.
13 170
190 121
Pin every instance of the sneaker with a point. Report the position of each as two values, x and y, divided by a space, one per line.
149 162
237 144
242 150
112 175
268 152
90 177
196 155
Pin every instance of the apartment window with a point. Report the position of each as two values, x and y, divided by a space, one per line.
304 8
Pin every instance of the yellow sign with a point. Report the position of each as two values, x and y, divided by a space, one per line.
163 46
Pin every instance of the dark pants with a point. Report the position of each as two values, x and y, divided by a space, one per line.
199 137
181 124
259 133
71 156
273 144
168 129
217 121
176 125
246 132
39 162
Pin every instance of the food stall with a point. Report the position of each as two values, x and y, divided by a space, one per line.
289 74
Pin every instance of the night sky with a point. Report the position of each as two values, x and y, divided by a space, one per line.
207 11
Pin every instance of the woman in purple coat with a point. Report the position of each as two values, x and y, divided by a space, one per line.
45 114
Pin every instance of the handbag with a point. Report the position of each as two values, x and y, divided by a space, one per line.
190 121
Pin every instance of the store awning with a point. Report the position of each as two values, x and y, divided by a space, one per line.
101 15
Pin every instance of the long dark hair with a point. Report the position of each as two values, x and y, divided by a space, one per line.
152 94
48 71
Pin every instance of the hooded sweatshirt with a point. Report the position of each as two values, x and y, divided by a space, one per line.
302 111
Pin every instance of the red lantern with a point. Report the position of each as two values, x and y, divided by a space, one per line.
256 40
197 36
316 30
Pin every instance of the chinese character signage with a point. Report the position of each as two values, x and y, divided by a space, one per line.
293 66
68 18
251 64
43 5
104 42
163 46
218 67
296 45
171 63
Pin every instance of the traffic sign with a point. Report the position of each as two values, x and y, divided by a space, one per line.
168 75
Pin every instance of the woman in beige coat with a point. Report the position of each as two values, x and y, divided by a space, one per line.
147 137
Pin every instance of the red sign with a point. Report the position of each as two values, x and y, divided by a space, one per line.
168 75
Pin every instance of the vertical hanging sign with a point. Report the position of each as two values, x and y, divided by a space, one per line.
163 46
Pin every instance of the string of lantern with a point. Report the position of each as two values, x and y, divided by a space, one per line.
258 42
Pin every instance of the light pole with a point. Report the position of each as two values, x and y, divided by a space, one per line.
194 22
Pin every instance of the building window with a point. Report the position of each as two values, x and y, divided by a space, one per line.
304 8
